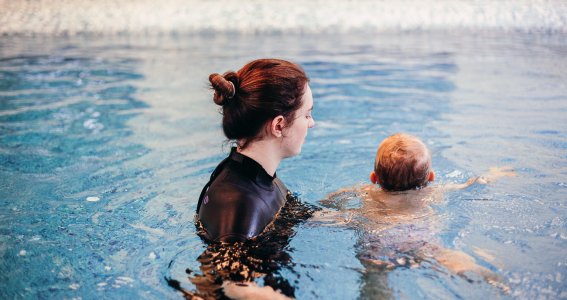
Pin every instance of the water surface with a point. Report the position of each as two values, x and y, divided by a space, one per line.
130 123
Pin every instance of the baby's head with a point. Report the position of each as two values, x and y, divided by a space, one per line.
403 162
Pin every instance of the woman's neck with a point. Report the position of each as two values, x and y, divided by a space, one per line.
265 153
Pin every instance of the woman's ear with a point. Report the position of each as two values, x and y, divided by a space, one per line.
373 177
431 176
277 126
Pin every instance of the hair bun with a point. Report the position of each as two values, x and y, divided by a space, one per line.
224 89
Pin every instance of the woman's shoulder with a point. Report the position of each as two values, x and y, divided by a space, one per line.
235 207
233 184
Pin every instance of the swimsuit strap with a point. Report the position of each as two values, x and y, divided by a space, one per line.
213 176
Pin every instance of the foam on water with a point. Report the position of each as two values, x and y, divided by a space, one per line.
256 16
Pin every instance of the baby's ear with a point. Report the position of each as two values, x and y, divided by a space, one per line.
373 177
431 176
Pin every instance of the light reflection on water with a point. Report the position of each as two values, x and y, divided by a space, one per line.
132 122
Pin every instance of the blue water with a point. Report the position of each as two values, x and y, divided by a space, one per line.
130 121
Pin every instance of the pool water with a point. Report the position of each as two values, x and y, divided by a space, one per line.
106 142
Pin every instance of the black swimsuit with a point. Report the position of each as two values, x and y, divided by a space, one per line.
240 200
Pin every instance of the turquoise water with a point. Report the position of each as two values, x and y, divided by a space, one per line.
105 144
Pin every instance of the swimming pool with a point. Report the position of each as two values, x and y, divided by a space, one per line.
106 142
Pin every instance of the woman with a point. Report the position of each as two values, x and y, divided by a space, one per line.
266 109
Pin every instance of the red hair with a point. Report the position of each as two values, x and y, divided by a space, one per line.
260 91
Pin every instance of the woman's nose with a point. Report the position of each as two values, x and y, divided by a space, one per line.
312 122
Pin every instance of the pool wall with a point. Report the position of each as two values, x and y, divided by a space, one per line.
255 16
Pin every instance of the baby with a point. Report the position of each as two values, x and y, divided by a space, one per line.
403 163
397 222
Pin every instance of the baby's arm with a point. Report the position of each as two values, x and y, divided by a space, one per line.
340 198
343 191
339 212
460 186
494 173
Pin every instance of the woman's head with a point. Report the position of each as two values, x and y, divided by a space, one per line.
403 162
256 94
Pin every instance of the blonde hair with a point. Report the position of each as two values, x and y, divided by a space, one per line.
403 162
